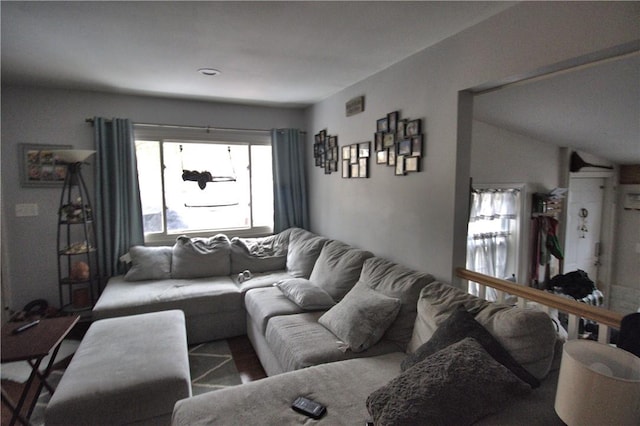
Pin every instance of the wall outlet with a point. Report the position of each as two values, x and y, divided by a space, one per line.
26 210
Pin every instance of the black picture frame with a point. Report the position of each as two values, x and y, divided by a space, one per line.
392 121
363 167
381 157
364 149
355 171
416 145
399 168
414 127
346 169
401 127
39 167
389 140
391 156
382 124
404 147
346 152
354 153
378 137
411 164
333 141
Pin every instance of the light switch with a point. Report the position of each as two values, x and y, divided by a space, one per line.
25 210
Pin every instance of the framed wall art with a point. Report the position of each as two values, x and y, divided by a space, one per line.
399 143
39 166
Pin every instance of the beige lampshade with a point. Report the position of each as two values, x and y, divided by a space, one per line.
598 385
73 155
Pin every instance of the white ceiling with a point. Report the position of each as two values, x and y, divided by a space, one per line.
594 108
293 54
275 53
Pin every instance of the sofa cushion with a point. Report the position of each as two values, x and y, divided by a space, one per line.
457 385
262 304
299 341
304 249
436 303
338 268
259 254
305 294
458 326
400 282
201 257
361 318
527 334
149 263
193 297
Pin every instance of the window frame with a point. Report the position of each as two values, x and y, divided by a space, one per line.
193 134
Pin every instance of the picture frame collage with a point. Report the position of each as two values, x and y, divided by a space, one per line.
326 151
399 143
355 160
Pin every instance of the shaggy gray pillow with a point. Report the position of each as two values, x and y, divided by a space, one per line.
361 318
455 386
459 325
305 294
149 263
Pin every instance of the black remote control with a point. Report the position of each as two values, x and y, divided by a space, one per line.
25 327
308 407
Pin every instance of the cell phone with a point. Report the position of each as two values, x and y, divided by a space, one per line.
308 407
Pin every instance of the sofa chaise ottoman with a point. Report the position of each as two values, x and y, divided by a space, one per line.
127 370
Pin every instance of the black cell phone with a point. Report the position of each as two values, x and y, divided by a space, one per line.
308 407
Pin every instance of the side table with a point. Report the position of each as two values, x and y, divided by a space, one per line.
32 345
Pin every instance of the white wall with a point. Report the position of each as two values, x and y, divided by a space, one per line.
625 289
420 219
37 115
501 156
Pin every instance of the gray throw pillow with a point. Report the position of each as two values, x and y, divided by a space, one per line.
457 385
201 257
338 268
305 294
149 263
361 318
304 249
258 254
459 325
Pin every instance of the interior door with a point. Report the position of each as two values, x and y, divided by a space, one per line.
584 224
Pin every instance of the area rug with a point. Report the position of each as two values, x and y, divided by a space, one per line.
211 365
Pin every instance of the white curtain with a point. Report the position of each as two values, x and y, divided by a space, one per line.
491 223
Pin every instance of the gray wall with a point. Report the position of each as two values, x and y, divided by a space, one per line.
420 219
48 116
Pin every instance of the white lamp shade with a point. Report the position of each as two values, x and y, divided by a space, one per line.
73 155
598 385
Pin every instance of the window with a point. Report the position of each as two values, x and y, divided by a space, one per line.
493 234
199 182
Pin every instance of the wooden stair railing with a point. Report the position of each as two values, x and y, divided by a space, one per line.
605 318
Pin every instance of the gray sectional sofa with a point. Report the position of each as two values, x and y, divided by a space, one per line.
344 327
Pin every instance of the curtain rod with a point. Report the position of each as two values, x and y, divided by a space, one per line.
206 128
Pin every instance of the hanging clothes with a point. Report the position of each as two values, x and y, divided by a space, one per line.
544 232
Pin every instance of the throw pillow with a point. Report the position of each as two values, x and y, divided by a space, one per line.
397 281
455 386
459 325
201 257
305 294
338 268
149 263
361 318
304 249
258 254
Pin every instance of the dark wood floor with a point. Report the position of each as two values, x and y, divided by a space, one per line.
246 359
